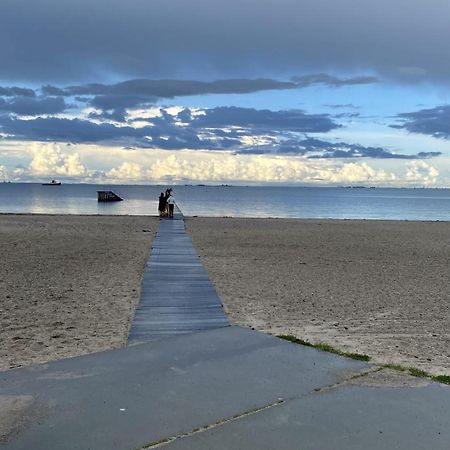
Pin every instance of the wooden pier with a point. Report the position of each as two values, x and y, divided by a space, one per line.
177 296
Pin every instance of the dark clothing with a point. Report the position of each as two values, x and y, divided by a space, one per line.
170 209
162 204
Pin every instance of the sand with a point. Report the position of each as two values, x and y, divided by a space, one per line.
69 285
376 287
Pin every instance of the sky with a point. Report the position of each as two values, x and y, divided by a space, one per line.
298 92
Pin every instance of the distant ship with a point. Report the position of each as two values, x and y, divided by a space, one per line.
52 183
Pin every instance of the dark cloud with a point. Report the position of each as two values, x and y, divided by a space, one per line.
329 80
52 90
298 121
318 148
434 121
113 100
162 133
14 91
152 90
178 88
184 131
72 130
54 40
27 106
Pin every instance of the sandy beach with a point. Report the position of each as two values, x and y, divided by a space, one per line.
68 284
375 287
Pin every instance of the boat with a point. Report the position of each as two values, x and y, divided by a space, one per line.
52 183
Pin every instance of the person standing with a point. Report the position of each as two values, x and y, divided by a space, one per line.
162 205
171 203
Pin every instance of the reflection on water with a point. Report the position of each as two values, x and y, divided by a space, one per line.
296 202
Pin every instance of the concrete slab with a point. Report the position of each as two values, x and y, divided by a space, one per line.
345 418
127 398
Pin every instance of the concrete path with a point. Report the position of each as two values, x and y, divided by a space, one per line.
229 388
177 295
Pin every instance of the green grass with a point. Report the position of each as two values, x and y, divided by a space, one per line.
293 339
413 371
418 373
397 367
324 347
154 444
441 378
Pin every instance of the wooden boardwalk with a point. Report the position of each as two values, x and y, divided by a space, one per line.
177 295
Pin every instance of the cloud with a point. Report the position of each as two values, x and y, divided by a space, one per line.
135 92
219 168
67 130
3 173
166 38
51 160
165 130
420 172
28 106
239 130
269 120
127 172
319 149
14 90
434 121
332 81
99 164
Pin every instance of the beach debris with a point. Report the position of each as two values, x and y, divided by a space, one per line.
108 196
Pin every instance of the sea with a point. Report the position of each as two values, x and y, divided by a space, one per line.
233 201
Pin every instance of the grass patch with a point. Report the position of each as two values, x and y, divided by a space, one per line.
413 371
418 373
293 339
154 444
357 356
397 367
441 378
324 347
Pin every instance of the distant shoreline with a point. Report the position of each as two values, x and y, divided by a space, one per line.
306 219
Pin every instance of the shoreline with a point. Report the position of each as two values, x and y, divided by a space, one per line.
156 216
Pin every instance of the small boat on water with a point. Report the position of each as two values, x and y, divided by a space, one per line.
52 183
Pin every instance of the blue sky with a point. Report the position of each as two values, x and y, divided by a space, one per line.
310 92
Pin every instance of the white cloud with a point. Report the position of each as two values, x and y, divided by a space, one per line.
222 167
98 164
127 171
422 173
52 160
3 173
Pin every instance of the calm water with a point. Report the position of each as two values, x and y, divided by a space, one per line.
297 202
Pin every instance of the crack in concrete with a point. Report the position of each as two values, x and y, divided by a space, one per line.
345 381
219 423
348 380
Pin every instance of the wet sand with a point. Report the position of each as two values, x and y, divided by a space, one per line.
375 287
69 285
